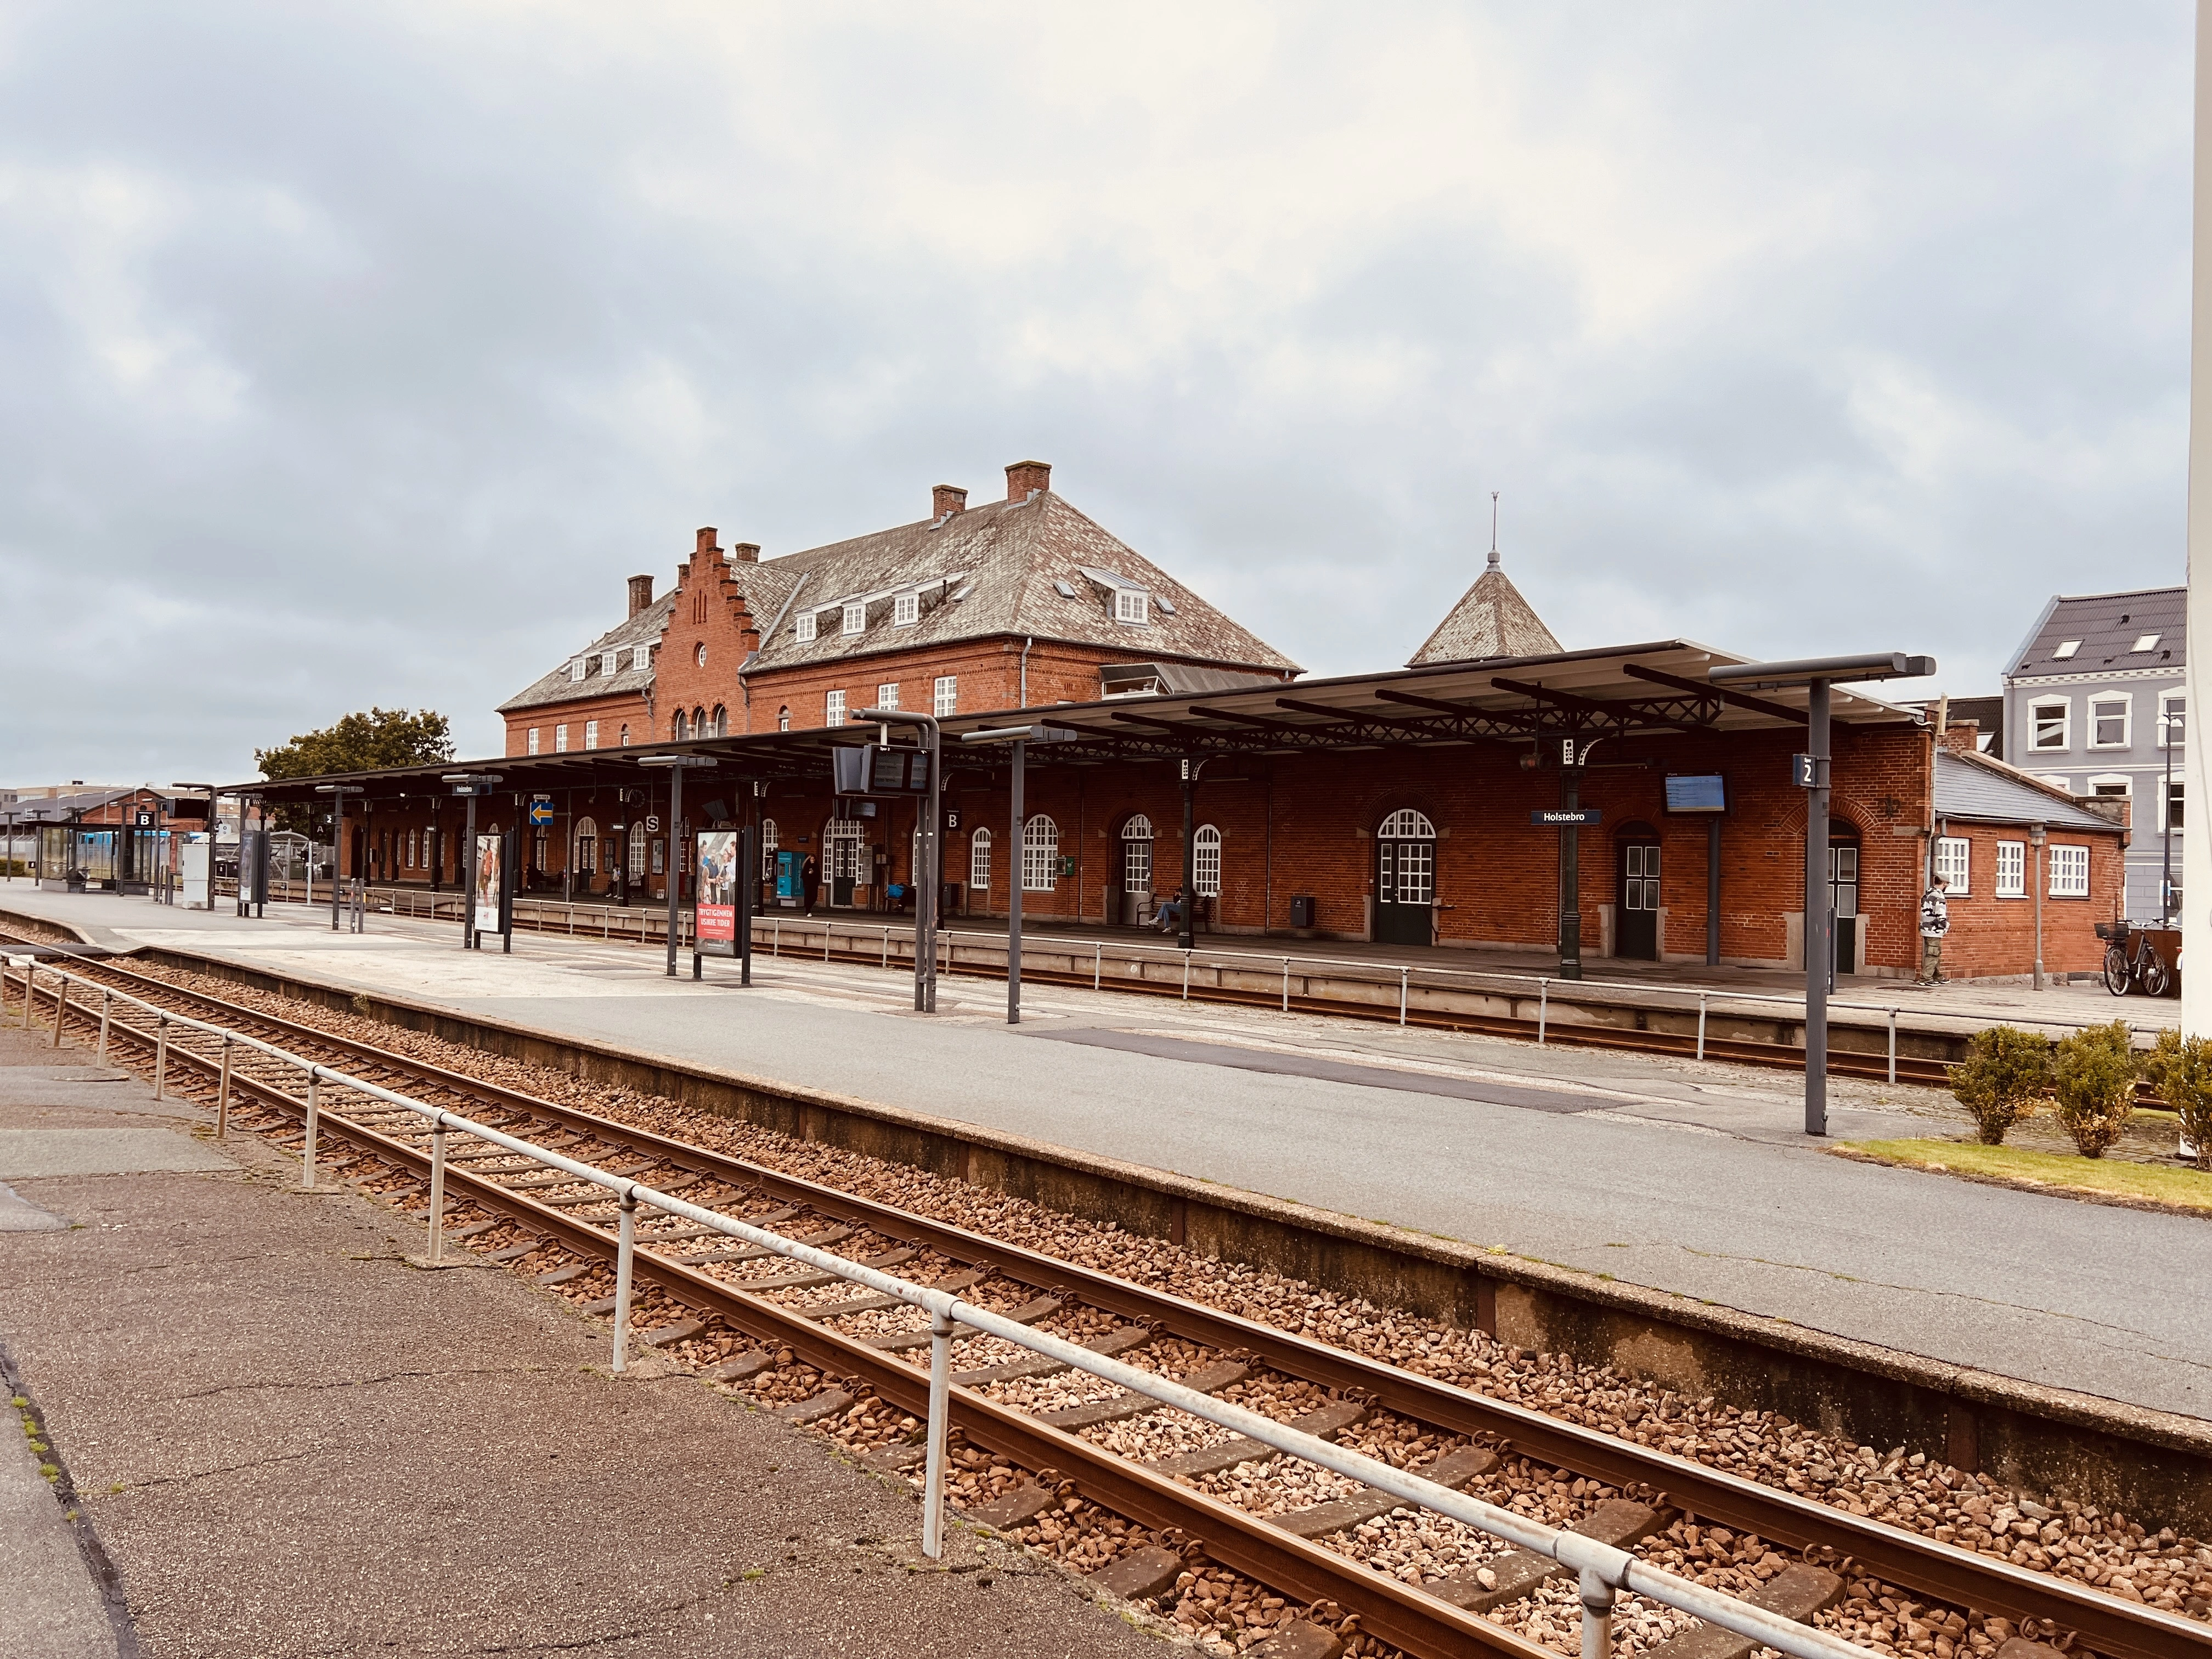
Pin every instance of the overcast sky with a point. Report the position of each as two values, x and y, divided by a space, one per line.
355 354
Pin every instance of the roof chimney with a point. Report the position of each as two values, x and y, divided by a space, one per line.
641 593
746 553
1025 479
706 542
946 500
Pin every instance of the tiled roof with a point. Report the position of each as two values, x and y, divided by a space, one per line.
1982 787
2105 628
644 629
1035 568
1491 620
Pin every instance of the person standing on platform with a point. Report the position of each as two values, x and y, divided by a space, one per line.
810 872
1935 922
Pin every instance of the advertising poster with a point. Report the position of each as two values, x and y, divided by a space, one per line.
717 877
484 887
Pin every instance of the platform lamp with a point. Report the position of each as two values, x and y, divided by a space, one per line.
337 792
471 785
928 883
1810 772
678 857
1020 737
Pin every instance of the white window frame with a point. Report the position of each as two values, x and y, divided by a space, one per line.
1206 861
1132 605
2175 706
979 861
2065 650
945 695
770 840
805 626
2065 707
591 734
2102 702
624 738
2145 643
2012 869
641 658
2171 790
2055 782
906 611
576 670
2069 869
783 718
1954 863
833 708
855 619
531 746
610 662
561 738
887 694
2098 787
1039 855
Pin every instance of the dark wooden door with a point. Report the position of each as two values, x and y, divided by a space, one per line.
1405 880
1636 924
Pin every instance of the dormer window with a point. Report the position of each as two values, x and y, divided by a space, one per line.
806 626
856 618
611 663
906 610
576 670
2066 649
2146 643
1130 605
640 658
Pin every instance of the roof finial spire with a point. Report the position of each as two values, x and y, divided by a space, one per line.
1493 530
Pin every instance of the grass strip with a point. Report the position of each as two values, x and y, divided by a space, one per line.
2107 1180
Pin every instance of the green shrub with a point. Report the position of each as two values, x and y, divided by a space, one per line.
2094 1075
2180 1069
2005 1076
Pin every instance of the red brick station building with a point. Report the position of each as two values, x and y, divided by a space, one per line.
1392 807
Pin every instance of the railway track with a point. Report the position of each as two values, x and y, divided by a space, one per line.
742 1326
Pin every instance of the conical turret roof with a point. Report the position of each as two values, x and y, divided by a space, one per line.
1491 620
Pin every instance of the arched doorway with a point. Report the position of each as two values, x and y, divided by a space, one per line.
1844 896
1636 915
1405 880
1136 870
842 852
587 865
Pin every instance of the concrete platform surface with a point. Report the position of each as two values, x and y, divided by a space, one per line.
1694 1179
288 1442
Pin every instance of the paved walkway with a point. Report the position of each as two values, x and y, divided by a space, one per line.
1694 1179
287 1442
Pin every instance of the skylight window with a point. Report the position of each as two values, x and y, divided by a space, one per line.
906 612
2066 649
806 626
1064 590
856 617
2145 643
1165 603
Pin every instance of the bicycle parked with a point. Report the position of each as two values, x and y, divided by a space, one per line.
2136 956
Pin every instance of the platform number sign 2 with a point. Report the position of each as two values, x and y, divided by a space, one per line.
1805 771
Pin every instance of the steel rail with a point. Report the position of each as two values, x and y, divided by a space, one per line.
1909 1559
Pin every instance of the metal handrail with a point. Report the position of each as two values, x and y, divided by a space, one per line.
1603 1570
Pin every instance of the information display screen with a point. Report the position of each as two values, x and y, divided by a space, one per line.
1697 793
875 770
717 876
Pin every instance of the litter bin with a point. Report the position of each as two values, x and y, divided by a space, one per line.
1302 910
75 881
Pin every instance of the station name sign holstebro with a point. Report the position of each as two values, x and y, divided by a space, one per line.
1561 816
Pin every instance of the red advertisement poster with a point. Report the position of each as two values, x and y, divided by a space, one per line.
717 876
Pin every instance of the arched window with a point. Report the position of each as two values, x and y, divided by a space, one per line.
1039 855
979 860
588 847
783 718
1406 825
625 734
768 844
699 726
1137 854
721 727
675 725
637 865
1205 860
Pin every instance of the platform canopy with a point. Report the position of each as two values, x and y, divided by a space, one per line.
1621 691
